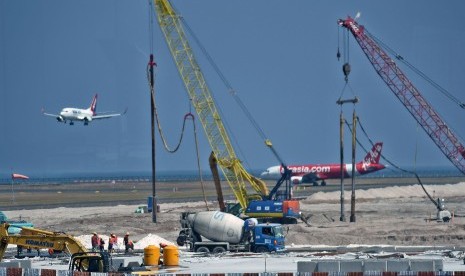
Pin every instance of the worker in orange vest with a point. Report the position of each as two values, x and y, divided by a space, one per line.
112 241
95 240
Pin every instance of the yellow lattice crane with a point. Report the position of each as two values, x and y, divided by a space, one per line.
203 102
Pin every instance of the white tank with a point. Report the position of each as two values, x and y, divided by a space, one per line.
217 226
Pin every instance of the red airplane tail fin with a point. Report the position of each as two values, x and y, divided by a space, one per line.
93 105
374 155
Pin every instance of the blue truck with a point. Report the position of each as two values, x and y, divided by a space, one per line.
226 232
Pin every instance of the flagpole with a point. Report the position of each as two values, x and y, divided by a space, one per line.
13 177
12 191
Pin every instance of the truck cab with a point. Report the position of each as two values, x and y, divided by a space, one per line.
268 237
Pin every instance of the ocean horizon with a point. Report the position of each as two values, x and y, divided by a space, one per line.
190 175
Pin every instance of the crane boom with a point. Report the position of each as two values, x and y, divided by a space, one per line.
409 95
202 100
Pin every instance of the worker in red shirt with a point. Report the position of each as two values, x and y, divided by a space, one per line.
95 240
128 243
112 241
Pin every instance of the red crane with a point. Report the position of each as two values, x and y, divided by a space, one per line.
409 95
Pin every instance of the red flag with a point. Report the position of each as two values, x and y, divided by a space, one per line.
18 176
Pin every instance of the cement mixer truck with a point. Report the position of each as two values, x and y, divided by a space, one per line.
226 232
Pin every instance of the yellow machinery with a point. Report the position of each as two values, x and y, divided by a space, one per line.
38 239
81 259
203 102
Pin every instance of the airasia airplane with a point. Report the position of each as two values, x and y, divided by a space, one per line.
311 173
72 114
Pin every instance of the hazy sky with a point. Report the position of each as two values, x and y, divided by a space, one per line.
280 57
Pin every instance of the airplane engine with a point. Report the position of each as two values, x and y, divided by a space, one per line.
87 120
60 119
296 179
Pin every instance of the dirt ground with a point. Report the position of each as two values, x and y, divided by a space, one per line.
386 216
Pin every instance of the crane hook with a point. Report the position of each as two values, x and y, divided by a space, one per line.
346 70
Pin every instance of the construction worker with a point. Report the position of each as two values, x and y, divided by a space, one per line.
128 243
102 245
112 242
95 240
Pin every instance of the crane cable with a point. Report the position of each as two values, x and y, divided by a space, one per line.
417 71
232 91
198 159
346 61
230 133
165 144
187 116
391 163
152 91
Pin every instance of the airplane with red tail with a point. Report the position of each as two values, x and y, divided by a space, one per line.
88 115
311 173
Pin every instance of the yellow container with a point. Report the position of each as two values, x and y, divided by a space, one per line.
151 255
170 255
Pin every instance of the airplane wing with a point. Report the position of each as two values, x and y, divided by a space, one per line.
52 115
104 115
49 114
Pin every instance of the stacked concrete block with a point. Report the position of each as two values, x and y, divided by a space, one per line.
374 265
398 265
422 265
307 266
328 266
17 263
390 265
351 266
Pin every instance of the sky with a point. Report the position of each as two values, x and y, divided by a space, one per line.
279 56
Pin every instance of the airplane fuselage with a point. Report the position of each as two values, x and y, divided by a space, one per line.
310 173
313 172
72 114
75 114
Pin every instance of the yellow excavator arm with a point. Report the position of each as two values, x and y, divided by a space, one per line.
39 239
203 102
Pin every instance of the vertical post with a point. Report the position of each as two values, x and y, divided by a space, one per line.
354 137
152 112
343 171
12 191
341 131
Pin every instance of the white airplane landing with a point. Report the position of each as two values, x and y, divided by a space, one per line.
71 114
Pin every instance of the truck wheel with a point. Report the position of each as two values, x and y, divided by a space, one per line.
261 249
218 250
181 240
203 249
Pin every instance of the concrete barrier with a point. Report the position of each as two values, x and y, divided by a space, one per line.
307 266
422 265
327 266
391 265
374 265
351 266
17 263
398 265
